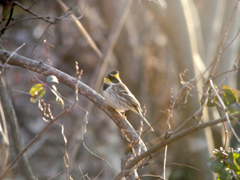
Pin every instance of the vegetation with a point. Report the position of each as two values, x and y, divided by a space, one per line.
180 60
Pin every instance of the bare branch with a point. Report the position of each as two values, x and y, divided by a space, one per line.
170 140
217 57
225 109
81 29
5 64
14 128
84 90
31 143
32 13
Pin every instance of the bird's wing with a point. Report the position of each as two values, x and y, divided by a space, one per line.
131 100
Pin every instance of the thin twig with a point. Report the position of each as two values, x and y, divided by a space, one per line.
32 142
35 139
39 39
231 41
165 162
14 128
216 60
57 174
114 35
8 21
81 28
234 68
225 109
81 172
168 141
152 176
97 99
36 16
5 64
32 13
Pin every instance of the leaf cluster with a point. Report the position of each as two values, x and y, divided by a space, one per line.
225 163
229 97
38 91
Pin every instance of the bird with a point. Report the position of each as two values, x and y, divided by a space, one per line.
119 97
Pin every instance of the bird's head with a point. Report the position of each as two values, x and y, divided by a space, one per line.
112 77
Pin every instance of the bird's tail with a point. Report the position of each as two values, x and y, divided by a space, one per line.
139 112
147 123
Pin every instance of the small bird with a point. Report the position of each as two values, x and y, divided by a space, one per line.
119 97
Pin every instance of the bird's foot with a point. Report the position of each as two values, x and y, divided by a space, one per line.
123 115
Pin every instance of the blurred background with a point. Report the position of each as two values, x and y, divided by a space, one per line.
151 43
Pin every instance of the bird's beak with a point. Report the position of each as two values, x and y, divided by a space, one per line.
117 76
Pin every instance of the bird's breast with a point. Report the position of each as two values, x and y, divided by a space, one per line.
113 101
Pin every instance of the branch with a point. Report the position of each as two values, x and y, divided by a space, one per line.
98 100
14 128
216 60
81 29
31 143
172 139
15 3
44 69
41 68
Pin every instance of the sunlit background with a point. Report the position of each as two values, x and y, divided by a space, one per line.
151 43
